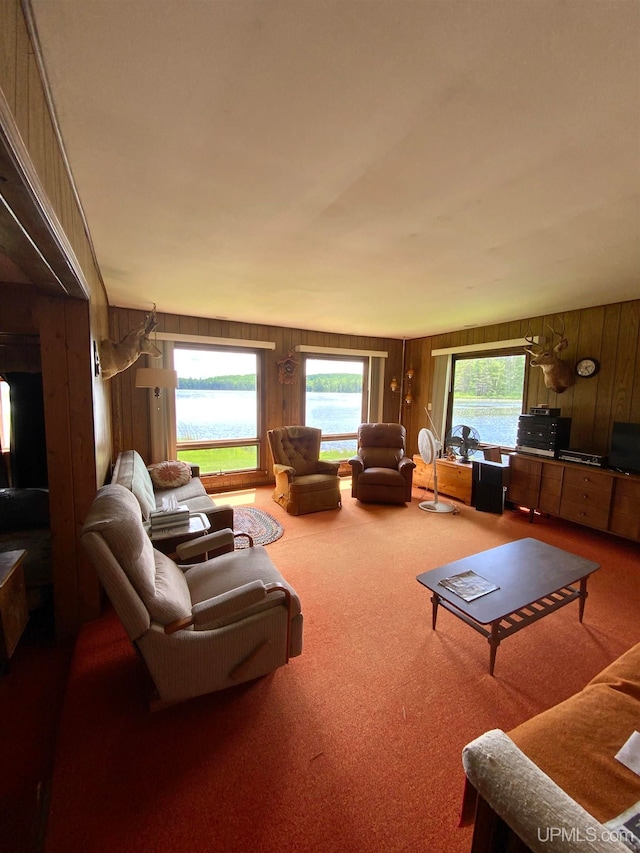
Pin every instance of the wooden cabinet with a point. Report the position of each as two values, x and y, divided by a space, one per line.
599 498
454 478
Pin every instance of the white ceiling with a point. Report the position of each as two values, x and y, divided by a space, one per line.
393 168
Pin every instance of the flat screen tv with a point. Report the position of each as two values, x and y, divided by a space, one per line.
624 454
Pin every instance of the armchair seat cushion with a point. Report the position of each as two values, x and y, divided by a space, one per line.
312 483
382 477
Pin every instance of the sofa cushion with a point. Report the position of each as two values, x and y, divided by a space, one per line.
170 474
575 742
161 585
131 472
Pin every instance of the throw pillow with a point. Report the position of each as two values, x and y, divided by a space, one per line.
170 475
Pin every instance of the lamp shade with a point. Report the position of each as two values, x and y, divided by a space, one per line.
156 377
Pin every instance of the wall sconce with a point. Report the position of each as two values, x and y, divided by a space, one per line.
408 379
156 378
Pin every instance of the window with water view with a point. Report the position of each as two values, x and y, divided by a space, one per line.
217 408
487 394
335 402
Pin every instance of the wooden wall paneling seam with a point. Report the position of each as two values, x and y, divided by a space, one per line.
625 363
22 75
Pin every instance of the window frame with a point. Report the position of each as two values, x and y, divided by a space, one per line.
212 444
365 361
476 355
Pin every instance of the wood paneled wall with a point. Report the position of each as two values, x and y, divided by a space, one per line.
281 403
77 404
607 332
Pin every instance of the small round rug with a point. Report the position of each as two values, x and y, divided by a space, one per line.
262 527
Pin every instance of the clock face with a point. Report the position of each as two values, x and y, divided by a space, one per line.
587 367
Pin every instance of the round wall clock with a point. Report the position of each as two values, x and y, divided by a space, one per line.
587 367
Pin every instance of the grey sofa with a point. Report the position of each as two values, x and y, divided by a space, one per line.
131 472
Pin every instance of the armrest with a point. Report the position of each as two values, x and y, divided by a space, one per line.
284 469
406 465
220 517
357 465
221 539
529 801
221 606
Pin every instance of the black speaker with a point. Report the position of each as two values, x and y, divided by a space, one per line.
488 486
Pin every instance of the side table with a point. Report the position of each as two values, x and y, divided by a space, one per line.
168 539
14 612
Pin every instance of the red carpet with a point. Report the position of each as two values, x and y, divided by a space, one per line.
355 745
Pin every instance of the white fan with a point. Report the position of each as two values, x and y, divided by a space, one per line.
428 450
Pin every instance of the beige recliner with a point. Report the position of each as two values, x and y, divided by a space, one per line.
381 472
304 483
198 628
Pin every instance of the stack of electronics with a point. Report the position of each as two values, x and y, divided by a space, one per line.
161 519
542 432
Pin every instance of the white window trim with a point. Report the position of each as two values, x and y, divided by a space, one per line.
515 342
218 342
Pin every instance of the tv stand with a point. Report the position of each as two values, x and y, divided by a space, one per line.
600 498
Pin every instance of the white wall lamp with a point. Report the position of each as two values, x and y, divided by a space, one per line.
156 378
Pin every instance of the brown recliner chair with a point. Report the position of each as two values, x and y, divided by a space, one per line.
381 472
304 483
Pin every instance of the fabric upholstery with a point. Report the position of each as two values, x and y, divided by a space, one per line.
304 483
381 472
242 627
158 581
131 472
529 801
592 724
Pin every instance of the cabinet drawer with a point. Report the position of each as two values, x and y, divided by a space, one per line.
454 479
580 477
585 512
587 493
628 488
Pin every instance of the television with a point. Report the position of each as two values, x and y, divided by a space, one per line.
624 454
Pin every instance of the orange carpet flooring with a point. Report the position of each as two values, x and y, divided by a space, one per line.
355 745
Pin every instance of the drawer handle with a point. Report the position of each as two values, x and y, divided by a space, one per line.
583 514
586 479
585 496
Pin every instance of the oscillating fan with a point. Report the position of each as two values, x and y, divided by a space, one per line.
429 451
465 439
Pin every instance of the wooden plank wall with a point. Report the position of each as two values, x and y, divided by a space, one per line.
281 403
607 332
77 404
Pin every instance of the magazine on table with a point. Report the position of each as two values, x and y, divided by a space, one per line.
468 585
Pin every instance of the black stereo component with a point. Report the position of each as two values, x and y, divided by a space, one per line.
544 410
542 435
594 459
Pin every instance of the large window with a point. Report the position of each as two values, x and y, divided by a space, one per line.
487 394
217 408
335 401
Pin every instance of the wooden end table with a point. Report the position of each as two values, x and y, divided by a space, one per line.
534 580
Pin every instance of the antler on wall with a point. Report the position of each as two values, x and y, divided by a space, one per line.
558 374
117 356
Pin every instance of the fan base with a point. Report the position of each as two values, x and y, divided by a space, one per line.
436 506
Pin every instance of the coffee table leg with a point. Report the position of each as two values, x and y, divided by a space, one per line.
583 596
435 601
494 642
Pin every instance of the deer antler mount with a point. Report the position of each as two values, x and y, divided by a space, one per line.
117 356
558 374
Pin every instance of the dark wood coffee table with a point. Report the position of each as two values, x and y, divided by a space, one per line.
534 580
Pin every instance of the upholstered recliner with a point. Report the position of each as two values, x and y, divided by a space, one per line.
381 472
304 483
198 628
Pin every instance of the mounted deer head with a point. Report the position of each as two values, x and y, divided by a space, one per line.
558 375
116 357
